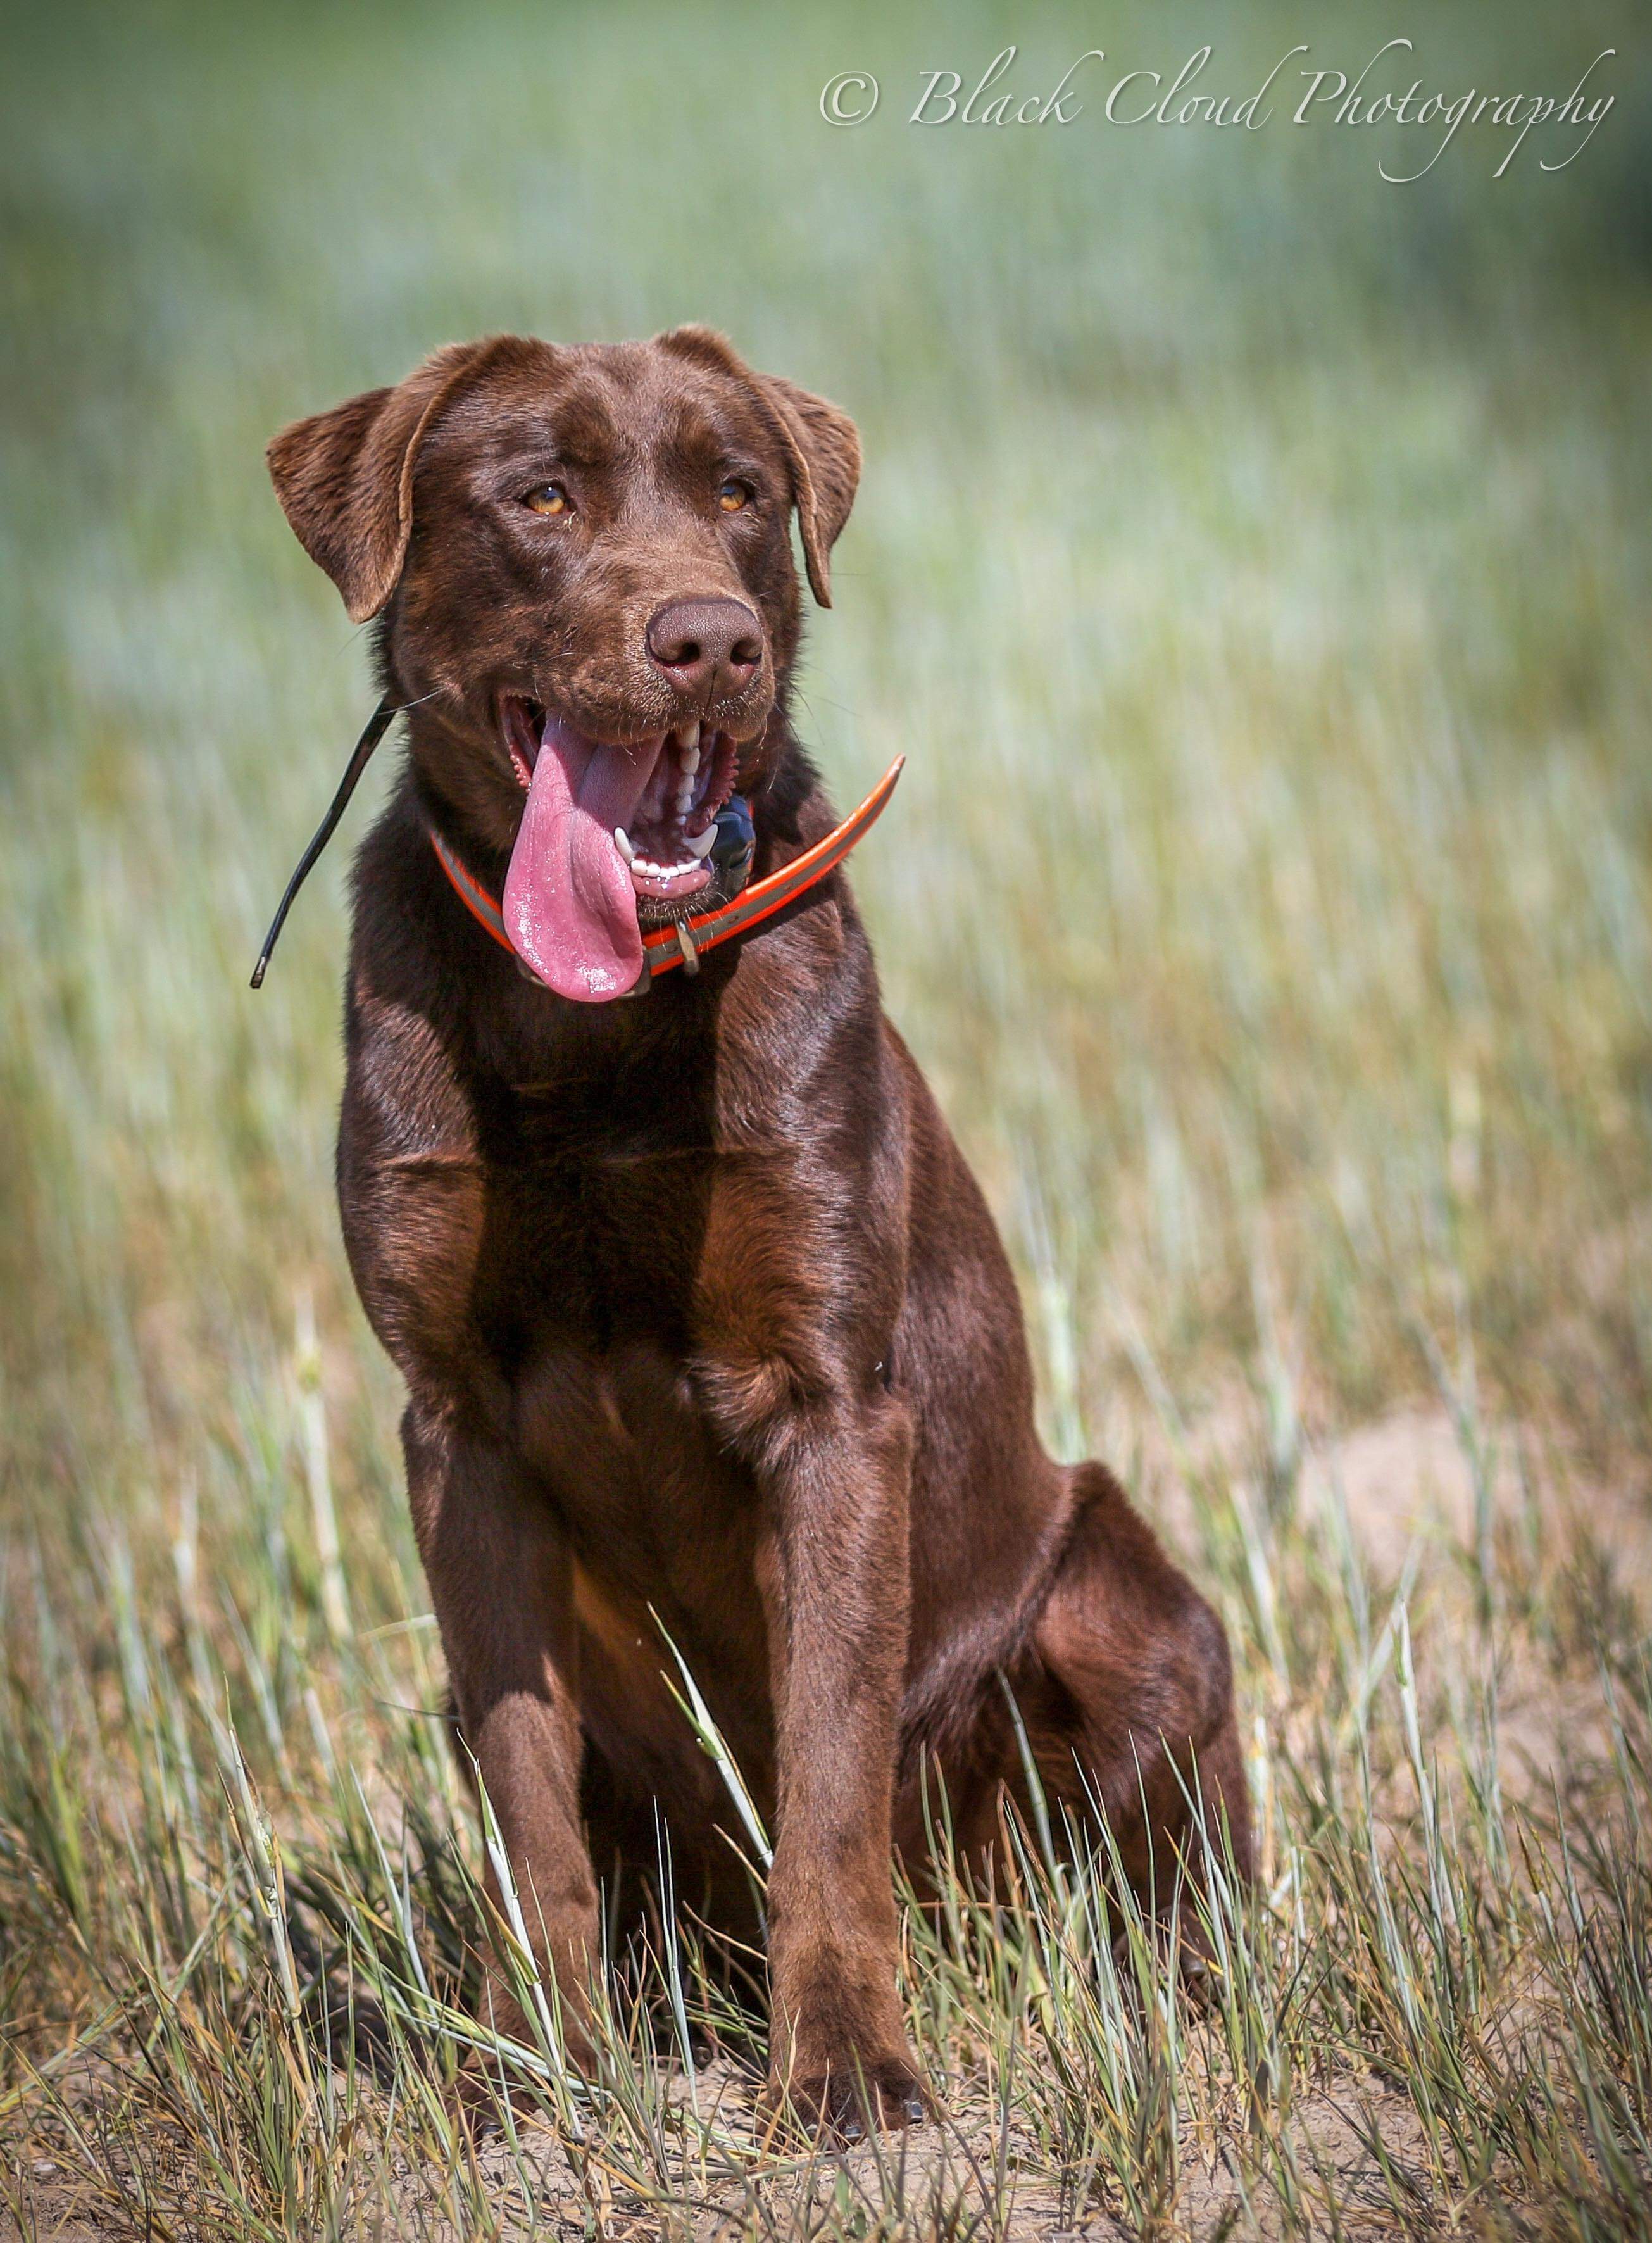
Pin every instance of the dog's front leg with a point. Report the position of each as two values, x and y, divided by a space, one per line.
833 1572
501 1579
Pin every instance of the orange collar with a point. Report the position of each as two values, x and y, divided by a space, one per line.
664 947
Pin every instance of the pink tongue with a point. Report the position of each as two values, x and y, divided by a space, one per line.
570 909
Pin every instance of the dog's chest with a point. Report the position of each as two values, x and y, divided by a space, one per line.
634 1253
656 1508
598 1241
609 1248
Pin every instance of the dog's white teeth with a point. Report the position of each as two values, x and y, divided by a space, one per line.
647 869
688 747
685 798
623 843
699 846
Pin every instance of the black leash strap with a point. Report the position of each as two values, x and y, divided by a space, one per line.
378 724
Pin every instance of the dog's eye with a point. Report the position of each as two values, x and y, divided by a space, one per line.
549 498
734 494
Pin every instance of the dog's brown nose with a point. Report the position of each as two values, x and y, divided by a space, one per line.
705 647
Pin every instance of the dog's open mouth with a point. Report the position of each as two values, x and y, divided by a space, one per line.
608 826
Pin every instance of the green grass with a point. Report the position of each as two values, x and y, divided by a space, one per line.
1253 564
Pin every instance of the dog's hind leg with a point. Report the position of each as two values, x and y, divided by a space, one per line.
1126 1696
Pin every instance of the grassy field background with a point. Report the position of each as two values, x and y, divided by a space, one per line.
1252 562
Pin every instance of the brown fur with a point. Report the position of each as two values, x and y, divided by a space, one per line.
700 1310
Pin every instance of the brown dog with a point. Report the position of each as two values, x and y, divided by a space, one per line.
700 1310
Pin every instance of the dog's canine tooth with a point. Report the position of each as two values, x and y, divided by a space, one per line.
700 845
623 843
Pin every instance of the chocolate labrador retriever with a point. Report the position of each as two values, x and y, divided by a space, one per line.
704 1323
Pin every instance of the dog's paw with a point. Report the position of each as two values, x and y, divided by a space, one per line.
858 2095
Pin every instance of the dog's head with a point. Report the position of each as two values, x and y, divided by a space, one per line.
581 561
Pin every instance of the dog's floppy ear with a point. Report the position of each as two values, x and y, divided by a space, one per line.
823 446
344 477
